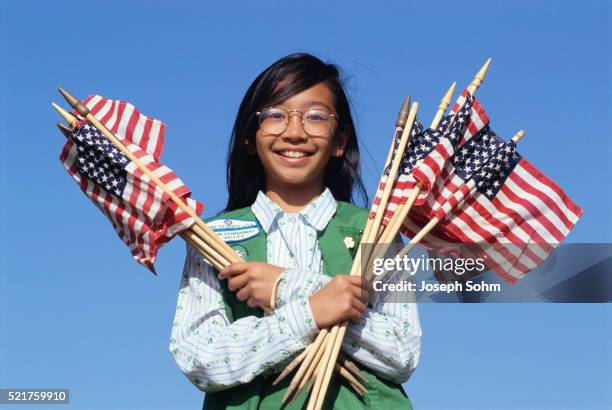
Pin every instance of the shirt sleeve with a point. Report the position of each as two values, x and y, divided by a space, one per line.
386 339
215 354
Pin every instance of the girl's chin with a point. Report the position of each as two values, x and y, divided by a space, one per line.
293 177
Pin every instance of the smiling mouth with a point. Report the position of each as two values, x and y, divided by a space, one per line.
293 154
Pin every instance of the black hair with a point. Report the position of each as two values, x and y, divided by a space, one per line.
286 77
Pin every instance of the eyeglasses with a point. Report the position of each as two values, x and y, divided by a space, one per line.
316 122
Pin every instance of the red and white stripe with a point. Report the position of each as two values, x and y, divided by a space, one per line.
126 122
516 230
144 217
429 169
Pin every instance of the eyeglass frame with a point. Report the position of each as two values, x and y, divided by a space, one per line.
335 117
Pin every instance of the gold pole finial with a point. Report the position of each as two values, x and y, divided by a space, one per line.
479 77
447 97
74 102
402 116
518 136
70 119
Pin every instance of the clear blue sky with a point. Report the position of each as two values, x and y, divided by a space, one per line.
77 312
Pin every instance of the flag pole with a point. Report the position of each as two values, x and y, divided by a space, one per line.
435 220
225 249
370 233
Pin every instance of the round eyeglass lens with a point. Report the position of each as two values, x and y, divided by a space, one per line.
273 120
317 122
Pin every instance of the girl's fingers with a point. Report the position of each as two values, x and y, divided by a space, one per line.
243 294
361 293
360 282
237 282
233 270
356 314
358 305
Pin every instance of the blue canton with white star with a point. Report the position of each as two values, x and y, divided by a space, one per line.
422 143
99 160
488 160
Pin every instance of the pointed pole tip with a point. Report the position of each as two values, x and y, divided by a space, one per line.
69 118
402 116
74 102
65 130
449 93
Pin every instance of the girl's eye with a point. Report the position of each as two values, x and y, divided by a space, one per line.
275 115
316 116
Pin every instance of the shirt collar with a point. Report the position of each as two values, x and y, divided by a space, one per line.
317 213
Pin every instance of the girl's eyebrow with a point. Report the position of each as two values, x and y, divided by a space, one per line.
310 103
316 102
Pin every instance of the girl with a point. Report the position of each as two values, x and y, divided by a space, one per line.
293 164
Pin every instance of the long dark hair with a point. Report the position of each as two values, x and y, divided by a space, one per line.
286 77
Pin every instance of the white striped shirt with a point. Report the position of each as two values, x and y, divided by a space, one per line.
216 354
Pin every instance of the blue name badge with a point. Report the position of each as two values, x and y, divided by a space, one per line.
234 230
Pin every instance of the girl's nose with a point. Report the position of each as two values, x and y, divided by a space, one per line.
295 130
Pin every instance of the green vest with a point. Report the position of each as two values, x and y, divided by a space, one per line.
337 259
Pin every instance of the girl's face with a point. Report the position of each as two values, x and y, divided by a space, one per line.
295 158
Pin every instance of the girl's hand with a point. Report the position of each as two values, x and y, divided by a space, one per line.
343 298
253 281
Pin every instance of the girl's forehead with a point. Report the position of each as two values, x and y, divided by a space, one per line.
318 95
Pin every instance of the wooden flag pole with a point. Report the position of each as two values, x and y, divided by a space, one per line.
225 249
310 371
303 371
434 221
216 259
370 233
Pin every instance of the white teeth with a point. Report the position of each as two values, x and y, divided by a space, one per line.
293 154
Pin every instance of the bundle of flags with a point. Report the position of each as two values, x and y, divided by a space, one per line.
139 210
484 193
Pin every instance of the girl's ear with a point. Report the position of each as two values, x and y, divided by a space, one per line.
340 143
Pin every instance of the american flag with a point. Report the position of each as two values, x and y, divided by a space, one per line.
427 152
141 213
492 197
449 134
477 118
